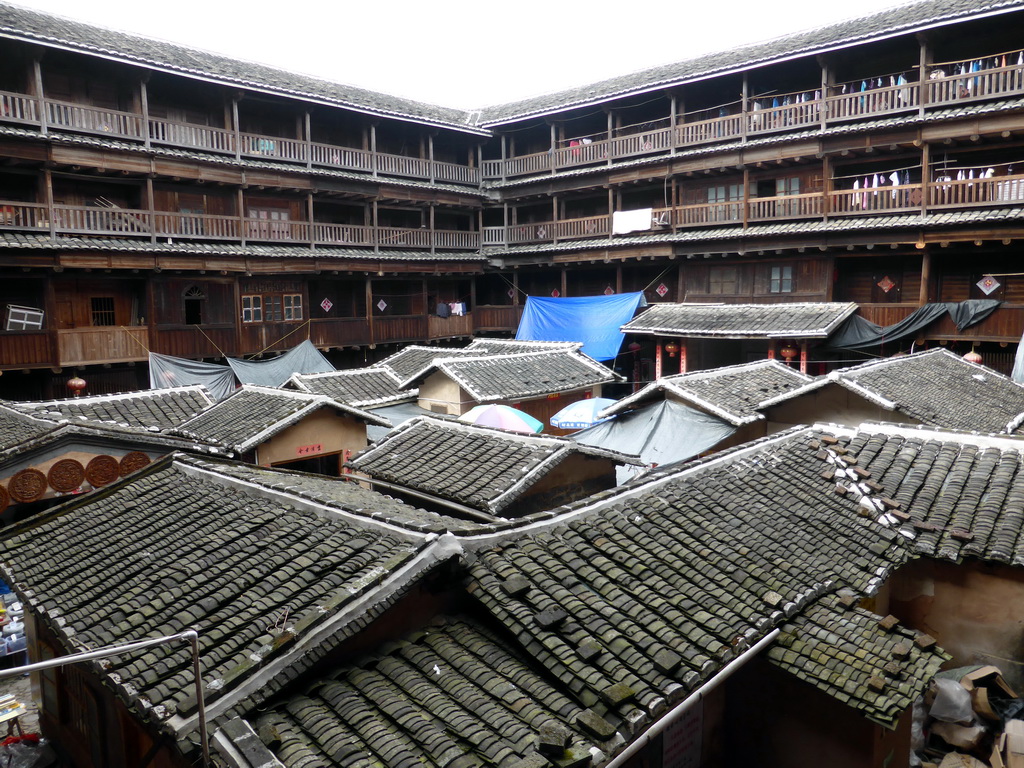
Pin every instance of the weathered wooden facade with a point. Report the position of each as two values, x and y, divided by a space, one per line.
215 211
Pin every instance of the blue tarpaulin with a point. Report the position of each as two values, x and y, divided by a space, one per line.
593 320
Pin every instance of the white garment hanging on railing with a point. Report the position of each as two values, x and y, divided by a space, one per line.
624 222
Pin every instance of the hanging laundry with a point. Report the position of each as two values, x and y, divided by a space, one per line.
894 178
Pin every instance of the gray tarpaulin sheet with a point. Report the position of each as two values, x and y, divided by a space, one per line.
858 333
660 433
305 358
166 372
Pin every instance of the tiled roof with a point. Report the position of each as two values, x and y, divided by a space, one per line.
108 435
634 600
452 695
16 426
64 243
742 321
958 496
252 415
156 408
264 577
874 666
362 387
344 495
58 31
518 346
517 377
414 358
486 469
936 388
902 20
734 393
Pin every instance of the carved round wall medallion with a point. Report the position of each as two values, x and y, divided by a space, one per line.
102 470
133 462
66 475
27 485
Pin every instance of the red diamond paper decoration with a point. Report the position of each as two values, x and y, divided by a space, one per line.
886 284
988 284
661 290
326 305
382 305
555 293
609 291
511 294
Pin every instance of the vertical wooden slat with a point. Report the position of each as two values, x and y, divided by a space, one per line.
37 72
144 104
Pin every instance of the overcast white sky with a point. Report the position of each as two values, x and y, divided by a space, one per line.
462 53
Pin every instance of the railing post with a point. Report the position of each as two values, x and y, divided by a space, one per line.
825 85
610 130
922 78
553 149
430 159
926 172
37 72
375 230
238 133
309 144
311 227
504 159
373 157
673 105
745 116
433 231
151 206
241 211
50 213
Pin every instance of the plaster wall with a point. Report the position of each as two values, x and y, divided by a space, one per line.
833 404
322 432
440 394
975 610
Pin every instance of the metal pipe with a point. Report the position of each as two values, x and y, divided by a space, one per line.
684 706
190 636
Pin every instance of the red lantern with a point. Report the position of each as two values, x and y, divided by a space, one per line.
76 385
789 351
671 348
973 357
634 347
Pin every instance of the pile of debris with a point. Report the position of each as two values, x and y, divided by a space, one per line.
969 718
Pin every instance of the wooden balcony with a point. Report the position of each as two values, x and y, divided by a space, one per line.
840 104
102 344
1002 325
83 118
496 318
449 327
125 222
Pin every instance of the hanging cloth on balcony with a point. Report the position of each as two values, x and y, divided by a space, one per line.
166 372
593 320
859 333
304 358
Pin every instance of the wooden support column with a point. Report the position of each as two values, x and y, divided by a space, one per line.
553 149
433 233
48 190
150 206
311 227
926 277
610 129
682 355
240 201
144 106
37 75
565 284
803 357
309 140
505 223
618 278
745 120
826 186
430 157
771 349
555 218
826 84
658 353
611 210
672 123
515 289
746 195
373 147
926 176
376 229
923 65
236 127
369 311
504 158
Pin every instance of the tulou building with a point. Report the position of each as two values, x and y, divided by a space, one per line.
159 199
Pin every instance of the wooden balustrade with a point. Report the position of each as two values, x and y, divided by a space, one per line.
965 193
102 344
875 101
348 158
101 221
784 117
708 213
492 236
196 226
456 239
708 131
496 318
17 108
449 327
342 234
22 349
14 215
399 328
81 117
876 199
340 332
785 207
191 135
214 340
886 314
590 226
397 165
983 84
403 237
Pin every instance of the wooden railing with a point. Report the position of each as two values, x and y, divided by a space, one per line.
121 222
961 193
102 344
855 104
340 332
876 199
23 349
400 328
449 327
83 118
495 318
785 207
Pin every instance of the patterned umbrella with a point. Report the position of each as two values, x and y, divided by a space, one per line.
502 417
581 414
